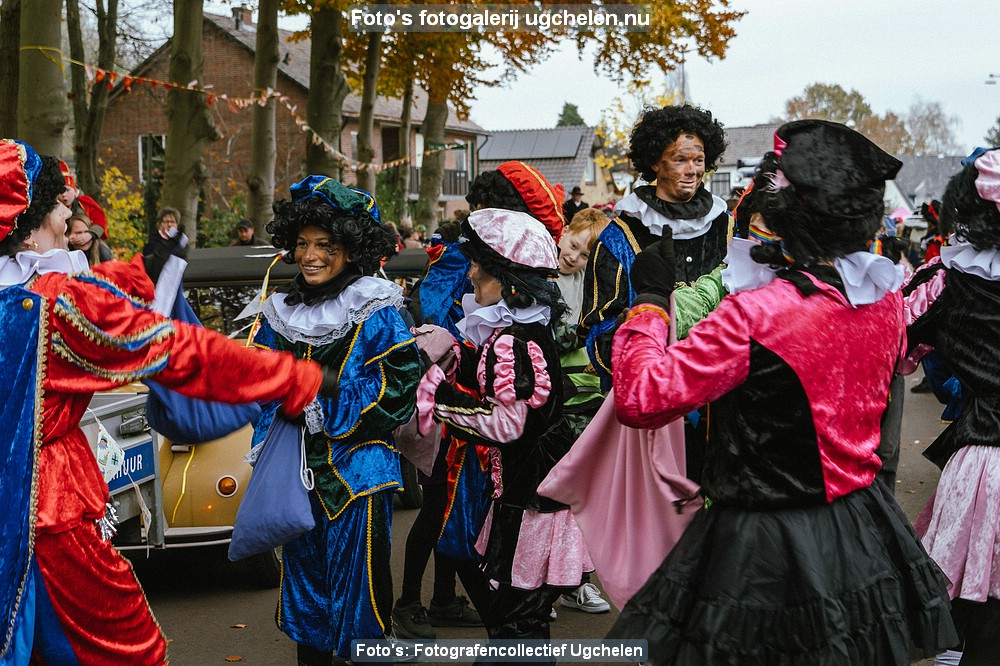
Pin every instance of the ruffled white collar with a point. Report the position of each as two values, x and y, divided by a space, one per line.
655 221
481 321
867 277
331 320
963 257
22 266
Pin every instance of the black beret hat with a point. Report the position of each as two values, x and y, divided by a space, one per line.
835 170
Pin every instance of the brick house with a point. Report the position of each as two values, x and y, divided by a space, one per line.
136 124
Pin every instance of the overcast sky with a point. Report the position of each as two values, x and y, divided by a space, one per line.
891 51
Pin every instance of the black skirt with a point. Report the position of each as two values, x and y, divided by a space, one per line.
828 585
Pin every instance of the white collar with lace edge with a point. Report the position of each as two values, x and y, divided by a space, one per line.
24 265
963 257
655 221
331 320
481 321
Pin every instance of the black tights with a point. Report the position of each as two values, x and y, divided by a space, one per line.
420 544
979 626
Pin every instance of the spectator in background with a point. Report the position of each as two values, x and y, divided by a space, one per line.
246 237
574 204
86 237
93 211
168 240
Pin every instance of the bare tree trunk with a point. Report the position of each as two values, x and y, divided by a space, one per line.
263 141
41 95
405 125
10 43
327 90
432 171
190 127
366 152
88 116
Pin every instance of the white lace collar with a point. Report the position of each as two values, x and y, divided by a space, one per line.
868 277
963 257
331 320
481 321
742 273
655 221
22 266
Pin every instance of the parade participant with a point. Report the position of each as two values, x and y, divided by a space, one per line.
531 545
952 305
518 186
66 594
801 556
336 579
674 146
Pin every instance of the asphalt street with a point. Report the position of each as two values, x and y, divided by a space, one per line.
211 614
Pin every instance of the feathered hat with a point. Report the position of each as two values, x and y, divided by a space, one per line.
19 169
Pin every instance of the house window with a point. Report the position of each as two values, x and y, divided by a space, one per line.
721 185
354 145
590 173
418 150
152 149
460 158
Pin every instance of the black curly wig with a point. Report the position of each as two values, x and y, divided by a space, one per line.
365 240
656 129
807 236
491 189
974 219
44 197
521 287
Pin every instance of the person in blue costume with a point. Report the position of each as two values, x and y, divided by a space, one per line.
336 580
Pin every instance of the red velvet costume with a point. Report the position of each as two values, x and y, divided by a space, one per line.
102 334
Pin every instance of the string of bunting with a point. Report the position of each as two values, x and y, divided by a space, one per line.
97 76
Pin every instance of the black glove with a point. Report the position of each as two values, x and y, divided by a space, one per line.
654 272
330 386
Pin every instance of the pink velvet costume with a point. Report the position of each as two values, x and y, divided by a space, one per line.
799 557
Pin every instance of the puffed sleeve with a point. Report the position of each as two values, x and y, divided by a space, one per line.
654 383
103 338
376 391
517 379
605 296
695 302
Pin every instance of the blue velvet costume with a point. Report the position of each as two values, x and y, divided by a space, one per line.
336 581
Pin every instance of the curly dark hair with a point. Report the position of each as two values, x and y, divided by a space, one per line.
974 219
656 129
44 197
491 189
752 201
808 236
366 241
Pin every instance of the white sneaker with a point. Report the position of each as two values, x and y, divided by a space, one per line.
587 598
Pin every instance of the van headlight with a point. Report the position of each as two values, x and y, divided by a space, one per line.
227 486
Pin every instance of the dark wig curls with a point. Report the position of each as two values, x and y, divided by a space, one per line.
366 241
44 196
491 189
658 128
974 219
807 236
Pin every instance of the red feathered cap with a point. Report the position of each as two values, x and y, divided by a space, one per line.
542 198
94 212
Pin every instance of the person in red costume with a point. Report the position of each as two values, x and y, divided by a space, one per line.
802 555
78 600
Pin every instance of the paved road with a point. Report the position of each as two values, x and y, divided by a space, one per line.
210 612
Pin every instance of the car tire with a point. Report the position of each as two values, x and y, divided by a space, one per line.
412 496
265 569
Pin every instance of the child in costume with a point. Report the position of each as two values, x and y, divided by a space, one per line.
532 548
802 556
336 579
70 330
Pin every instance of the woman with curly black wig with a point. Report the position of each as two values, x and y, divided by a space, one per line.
336 579
803 555
953 305
70 330
530 544
674 146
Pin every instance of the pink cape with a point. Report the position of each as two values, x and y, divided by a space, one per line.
621 484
